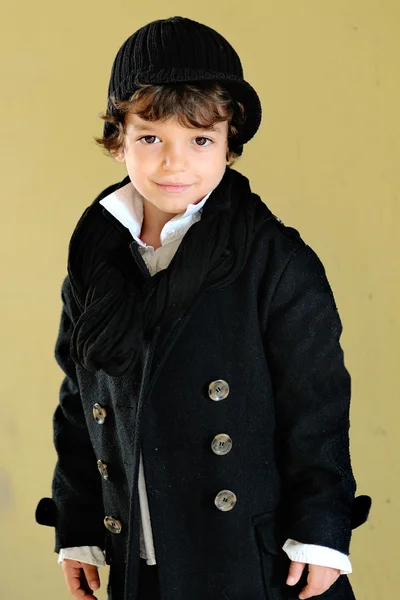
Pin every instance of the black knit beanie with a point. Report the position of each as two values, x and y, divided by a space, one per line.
179 49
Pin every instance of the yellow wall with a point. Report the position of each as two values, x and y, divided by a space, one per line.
326 160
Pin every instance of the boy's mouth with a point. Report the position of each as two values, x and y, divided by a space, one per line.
177 187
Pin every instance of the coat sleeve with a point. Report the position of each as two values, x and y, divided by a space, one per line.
312 389
76 507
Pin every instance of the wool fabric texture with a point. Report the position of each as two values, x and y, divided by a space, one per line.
176 50
118 308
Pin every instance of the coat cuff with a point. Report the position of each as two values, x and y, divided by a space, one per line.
317 555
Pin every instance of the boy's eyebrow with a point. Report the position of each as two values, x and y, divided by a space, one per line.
140 127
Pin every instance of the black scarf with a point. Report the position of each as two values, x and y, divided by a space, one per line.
118 305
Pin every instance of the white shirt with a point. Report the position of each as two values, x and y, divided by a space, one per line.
126 205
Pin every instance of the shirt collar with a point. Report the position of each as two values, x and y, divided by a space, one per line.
126 205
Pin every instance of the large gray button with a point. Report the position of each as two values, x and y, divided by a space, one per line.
221 444
102 469
225 500
112 524
99 413
218 390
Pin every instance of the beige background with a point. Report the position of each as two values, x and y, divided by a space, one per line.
325 160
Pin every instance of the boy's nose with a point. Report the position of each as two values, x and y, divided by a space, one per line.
175 154
175 162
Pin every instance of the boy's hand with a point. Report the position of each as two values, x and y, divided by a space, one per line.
319 579
81 578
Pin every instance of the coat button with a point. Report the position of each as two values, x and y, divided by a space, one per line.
112 524
225 500
221 444
99 413
102 469
218 390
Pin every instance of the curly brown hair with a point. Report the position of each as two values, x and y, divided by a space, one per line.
195 106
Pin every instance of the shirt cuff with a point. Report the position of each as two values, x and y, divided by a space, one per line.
92 555
313 554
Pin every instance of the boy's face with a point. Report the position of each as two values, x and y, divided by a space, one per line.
165 152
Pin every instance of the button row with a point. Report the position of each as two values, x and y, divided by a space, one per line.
225 500
221 445
217 390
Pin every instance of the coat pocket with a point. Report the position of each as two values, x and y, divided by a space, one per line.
267 532
274 562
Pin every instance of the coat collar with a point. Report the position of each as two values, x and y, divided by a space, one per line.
126 205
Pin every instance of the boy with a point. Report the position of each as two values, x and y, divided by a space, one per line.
202 430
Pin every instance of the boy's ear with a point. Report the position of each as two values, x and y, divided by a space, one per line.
119 156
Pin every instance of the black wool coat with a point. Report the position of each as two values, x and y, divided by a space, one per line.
272 335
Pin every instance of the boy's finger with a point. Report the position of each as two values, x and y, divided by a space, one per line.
92 576
295 571
76 580
316 583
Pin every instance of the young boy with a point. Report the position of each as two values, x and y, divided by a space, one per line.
202 430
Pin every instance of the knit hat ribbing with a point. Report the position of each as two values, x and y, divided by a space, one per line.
179 49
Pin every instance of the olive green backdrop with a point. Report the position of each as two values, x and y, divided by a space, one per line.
326 161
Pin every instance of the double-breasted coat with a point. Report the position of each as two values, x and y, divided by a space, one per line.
258 360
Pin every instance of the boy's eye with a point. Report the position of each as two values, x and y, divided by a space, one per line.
203 138
146 137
